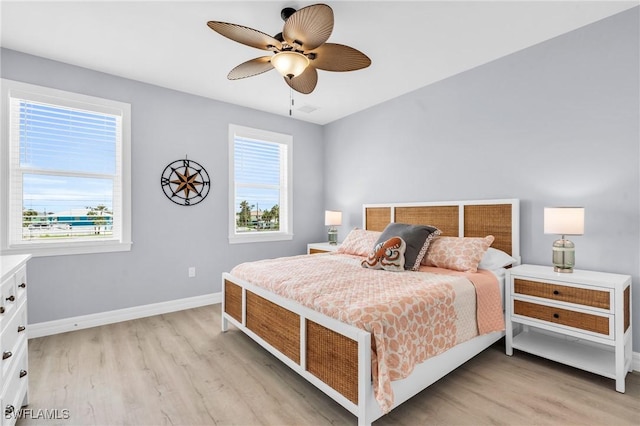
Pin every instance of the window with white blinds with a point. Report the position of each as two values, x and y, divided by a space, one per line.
66 158
260 180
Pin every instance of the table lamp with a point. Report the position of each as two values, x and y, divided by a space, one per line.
333 219
564 221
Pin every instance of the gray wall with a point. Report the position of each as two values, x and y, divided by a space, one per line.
167 238
555 124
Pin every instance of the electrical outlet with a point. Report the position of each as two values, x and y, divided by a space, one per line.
192 271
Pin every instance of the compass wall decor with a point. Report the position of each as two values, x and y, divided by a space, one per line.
185 182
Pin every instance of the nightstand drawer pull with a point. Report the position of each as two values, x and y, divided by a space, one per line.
595 323
579 296
23 285
21 328
23 373
11 298
6 354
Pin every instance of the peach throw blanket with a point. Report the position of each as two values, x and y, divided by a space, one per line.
411 316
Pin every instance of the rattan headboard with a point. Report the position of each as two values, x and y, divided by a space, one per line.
479 218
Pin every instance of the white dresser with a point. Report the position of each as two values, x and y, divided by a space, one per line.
13 336
582 319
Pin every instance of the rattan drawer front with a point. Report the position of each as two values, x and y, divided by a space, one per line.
580 296
233 300
333 358
627 308
276 325
589 322
316 251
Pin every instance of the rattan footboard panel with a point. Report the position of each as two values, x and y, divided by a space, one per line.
276 325
333 358
233 300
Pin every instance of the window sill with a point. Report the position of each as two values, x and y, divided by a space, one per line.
61 249
257 237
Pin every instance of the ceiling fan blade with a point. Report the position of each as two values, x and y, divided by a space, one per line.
250 68
338 57
309 27
245 35
305 82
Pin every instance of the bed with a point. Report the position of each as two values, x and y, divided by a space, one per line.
336 356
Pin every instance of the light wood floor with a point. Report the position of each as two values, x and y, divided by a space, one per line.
179 368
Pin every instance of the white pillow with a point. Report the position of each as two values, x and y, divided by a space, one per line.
495 259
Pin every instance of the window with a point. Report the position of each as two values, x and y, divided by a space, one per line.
260 180
65 172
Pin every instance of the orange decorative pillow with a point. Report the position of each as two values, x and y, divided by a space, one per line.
387 255
458 254
359 242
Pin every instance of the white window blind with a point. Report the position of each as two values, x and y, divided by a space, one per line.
261 185
66 172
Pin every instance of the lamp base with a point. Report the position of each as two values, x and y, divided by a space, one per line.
564 255
333 236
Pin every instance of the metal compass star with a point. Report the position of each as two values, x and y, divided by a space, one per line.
186 182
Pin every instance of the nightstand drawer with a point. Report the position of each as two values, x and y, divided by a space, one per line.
580 296
589 322
316 251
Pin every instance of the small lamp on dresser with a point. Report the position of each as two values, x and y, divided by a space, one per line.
564 221
332 219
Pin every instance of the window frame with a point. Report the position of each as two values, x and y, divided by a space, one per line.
122 242
286 179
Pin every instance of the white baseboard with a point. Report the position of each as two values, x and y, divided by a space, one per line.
635 361
64 325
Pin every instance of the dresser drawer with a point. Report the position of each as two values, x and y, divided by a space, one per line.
13 337
8 297
15 391
599 324
580 296
20 280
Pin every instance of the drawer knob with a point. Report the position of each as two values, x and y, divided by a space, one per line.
556 316
556 292
9 409
6 354
23 285
11 298
21 328
23 373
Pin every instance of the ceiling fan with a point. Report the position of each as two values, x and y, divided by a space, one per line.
299 50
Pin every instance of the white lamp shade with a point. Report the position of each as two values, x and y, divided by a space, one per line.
332 218
290 64
564 220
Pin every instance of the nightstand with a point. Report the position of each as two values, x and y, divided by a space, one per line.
315 248
582 319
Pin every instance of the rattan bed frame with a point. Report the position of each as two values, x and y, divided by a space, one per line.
336 357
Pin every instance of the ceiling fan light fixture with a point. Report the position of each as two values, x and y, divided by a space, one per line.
290 64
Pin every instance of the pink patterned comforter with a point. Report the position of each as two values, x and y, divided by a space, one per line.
411 316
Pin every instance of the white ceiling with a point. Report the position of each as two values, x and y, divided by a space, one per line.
167 43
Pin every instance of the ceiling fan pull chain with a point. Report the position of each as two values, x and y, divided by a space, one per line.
290 101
